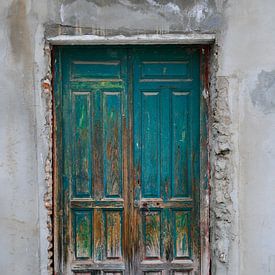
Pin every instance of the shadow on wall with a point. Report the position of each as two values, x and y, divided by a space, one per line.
263 96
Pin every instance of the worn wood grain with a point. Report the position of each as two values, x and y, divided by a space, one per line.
130 142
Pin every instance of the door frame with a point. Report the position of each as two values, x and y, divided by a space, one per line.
202 42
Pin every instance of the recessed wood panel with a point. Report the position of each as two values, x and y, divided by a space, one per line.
113 222
165 69
97 145
99 240
152 233
112 138
95 69
82 144
180 141
83 234
150 138
181 234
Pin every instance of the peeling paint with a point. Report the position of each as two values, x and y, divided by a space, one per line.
169 7
199 12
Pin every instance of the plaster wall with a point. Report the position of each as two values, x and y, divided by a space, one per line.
242 127
247 60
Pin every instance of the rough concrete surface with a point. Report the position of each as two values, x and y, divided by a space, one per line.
241 123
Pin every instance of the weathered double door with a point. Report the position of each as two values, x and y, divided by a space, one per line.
130 160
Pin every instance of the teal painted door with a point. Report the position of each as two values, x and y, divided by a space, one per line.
128 119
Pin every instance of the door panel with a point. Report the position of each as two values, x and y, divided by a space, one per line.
166 158
94 104
130 160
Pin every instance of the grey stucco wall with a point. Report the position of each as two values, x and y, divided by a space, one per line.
248 60
18 169
243 221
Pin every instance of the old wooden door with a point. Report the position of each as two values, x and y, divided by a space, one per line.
128 160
